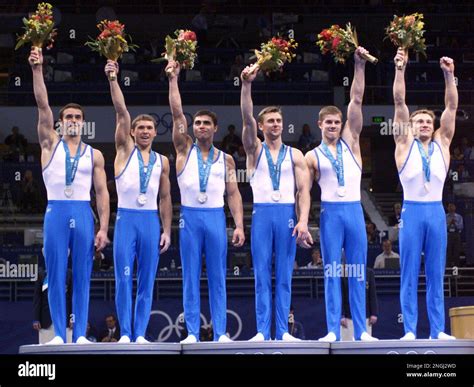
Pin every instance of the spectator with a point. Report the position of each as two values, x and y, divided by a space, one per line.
347 331
91 334
457 154
240 157
372 233
316 260
307 140
455 225
387 253
237 67
199 25
18 145
463 173
112 333
29 199
466 148
231 142
295 328
397 215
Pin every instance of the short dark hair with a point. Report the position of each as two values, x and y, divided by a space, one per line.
71 106
268 109
206 113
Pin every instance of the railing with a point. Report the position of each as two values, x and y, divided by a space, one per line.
306 283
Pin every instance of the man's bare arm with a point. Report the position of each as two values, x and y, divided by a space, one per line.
402 135
250 140
448 118
181 139
102 199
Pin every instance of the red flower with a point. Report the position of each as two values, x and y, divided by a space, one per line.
336 42
104 34
326 35
189 35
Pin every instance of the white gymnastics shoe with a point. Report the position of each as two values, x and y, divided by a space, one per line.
289 338
55 341
191 339
366 337
224 339
141 340
444 336
124 340
408 337
329 338
258 337
83 340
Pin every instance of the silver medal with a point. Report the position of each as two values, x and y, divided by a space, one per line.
141 199
68 191
276 196
341 191
202 198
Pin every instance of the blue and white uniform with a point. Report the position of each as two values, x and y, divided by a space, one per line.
342 226
272 227
203 230
423 229
137 236
69 225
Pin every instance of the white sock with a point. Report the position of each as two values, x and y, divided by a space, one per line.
258 337
408 337
224 339
191 339
83 340
289 338
141 340
329 338
55 341
366 337
124 340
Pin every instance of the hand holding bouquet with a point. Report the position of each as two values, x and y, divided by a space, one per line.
39 29
180 49
111 42
273 55
407 32
341 43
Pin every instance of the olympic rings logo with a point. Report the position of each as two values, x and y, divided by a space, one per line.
178 325
164 122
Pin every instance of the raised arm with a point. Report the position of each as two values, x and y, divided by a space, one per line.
401 133
234 200
123 140
181 139
46 133
303 197
355 121
102 200
448 118
166 208
250 140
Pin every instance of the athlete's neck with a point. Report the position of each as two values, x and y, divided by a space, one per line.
204 145
72 140
330 141
143 149
273 144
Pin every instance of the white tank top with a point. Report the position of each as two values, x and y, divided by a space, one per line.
261 181
328 180
188 181
54 175
128 184
412 176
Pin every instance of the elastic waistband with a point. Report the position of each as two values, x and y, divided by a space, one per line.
357 202
136 210
435 203
69 202
205 209
274 204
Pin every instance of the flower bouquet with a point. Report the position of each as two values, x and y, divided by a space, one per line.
407 32
273 55
181 48
341 43
39 28
111 42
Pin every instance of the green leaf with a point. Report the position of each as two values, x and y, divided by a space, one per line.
20 43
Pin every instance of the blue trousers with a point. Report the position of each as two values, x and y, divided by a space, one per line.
69 224
343 226
272 226
423 229
204 231
137 236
